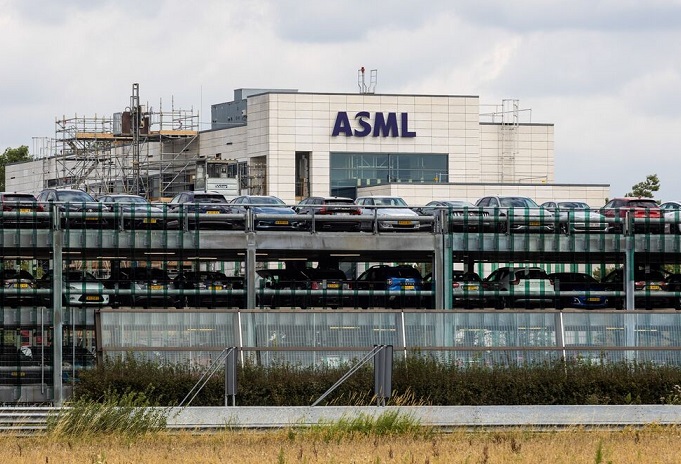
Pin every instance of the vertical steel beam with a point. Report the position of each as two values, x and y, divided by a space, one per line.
250 271
58 310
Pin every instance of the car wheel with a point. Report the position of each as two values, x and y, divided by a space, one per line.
563 228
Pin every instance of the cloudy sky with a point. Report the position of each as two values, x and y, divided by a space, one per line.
607 73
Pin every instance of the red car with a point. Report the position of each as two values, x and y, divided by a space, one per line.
648 216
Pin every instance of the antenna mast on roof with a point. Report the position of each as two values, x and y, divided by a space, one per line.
365 88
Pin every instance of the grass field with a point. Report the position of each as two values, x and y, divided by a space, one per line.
651 444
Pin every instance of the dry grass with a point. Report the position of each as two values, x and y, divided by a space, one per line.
652 444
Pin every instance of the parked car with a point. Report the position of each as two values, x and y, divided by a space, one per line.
285 217
202 210
673 284
21 210
517 214
466 289
390 214
80 288
576 216
649 281
135 212
79 210
209 289
672 216
646 211
578 282
333 283
23 283
458 215
330 213
288 286
148 286
390 286
528 286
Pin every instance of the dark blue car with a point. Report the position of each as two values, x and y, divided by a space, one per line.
578 282
268 212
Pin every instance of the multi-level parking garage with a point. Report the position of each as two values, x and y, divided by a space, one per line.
35 336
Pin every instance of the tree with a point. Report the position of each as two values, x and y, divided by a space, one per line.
646 188
12 155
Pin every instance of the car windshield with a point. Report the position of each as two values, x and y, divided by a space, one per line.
518 202
18 197
573 205
130 199
74 196
459 204
79 276
643 203
266 201
209 199
340 201
390 201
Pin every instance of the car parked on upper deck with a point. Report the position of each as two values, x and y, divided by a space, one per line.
20 210
576 216
269 212
672 216
458 215
134 211
330 213
148 287
647 214
516 214
389 213
201 210
78 207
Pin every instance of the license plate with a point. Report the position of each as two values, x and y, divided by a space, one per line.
409 287
332 286
281 223
156 287
25 210
150 221
93 298
593 300
91 219
535 223
215 287
471 287
654 287
212 212
22 286
404 223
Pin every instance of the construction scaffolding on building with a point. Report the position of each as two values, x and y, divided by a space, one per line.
138 151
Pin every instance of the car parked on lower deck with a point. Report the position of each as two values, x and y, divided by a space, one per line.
578 282
389 214
80 288
647 215
144 286
516 214
329 213
269 212
390 287
527 286
21 286
466 289
209 289
651 281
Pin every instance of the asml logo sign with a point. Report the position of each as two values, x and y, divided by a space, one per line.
381 125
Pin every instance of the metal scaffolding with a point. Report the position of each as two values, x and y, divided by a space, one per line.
139 150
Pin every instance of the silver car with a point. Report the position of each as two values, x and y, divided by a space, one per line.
517 214
390 214
576 216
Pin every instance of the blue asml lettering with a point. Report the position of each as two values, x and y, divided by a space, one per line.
384 125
